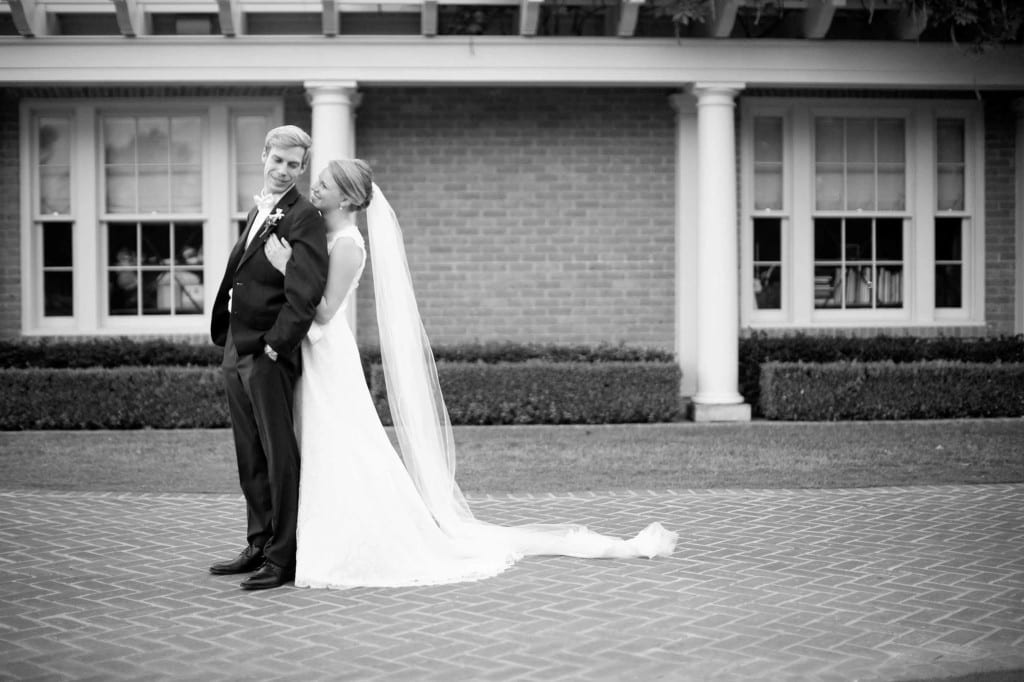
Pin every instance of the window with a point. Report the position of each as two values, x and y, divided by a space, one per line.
860 213
134 209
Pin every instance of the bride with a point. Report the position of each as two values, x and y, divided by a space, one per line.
367 516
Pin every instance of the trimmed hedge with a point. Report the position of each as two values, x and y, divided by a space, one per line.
115 398
552 392
889 390
126 352
758 349
477 393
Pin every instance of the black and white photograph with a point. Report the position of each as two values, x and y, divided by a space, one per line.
512 340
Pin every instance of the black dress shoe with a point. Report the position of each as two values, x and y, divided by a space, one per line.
269 575
249 560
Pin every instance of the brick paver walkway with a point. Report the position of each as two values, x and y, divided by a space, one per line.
879 584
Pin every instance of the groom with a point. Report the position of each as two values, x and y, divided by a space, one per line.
260 317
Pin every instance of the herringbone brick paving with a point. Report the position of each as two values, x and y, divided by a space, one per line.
867 584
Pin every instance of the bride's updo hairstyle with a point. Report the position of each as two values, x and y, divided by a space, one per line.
355 180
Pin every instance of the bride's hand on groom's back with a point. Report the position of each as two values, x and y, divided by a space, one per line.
278 252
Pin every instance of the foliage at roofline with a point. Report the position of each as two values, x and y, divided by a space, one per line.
976 25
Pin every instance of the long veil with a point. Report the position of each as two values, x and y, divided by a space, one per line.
424 430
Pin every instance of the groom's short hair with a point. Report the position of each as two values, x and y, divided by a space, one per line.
289 136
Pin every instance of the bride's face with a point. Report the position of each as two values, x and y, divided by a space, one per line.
325 194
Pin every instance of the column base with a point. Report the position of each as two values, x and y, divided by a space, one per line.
700 412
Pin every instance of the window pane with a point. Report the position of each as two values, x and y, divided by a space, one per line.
123 287
57 245
249 134
54 190
768 287
767 240
828 190
889 287
121 189
950 140
57 294
118 141
183 290
828 239
827 287
156 244
186 193
188 244
768 188
54 144
948 286
249 182
154 189
768 139
889 239
950 190
860 140
154 141
828 140
891 189
858 239
185 140
156 293
860 188
948 238
891 141
858 287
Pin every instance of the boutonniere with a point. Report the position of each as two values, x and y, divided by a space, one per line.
275 217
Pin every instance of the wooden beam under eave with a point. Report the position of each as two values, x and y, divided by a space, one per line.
428 18
130 18
331 22
28 17
722 19
628 12
230 17
818 17
529 17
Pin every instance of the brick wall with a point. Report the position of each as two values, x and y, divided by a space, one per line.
10 219
529 214
1000 272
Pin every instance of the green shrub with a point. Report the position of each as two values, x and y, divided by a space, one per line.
935 389
118 398
552 392
758 349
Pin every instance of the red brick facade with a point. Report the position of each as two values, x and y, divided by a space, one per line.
539 214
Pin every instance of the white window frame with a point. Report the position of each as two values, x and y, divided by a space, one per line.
797 306
90 317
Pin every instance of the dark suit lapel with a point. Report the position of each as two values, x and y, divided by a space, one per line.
283 204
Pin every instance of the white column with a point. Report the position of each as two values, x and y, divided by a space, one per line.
334 106
717 397
685 106
1018 307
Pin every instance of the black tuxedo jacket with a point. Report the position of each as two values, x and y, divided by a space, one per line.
266 306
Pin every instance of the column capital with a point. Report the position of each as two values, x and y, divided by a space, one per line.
333 92
708 92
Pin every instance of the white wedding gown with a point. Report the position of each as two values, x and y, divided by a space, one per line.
363 522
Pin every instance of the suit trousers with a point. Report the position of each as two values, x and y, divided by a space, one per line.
261 400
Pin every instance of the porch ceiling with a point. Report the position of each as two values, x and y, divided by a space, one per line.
505 60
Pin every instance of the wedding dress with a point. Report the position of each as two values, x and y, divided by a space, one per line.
369 516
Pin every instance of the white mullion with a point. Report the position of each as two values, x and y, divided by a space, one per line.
919 256
802 282
87 233
218 203
974 198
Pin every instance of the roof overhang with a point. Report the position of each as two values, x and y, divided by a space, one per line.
513 60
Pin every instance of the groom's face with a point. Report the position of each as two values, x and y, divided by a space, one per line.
281 167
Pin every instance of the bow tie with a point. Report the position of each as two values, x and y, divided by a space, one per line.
265 202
